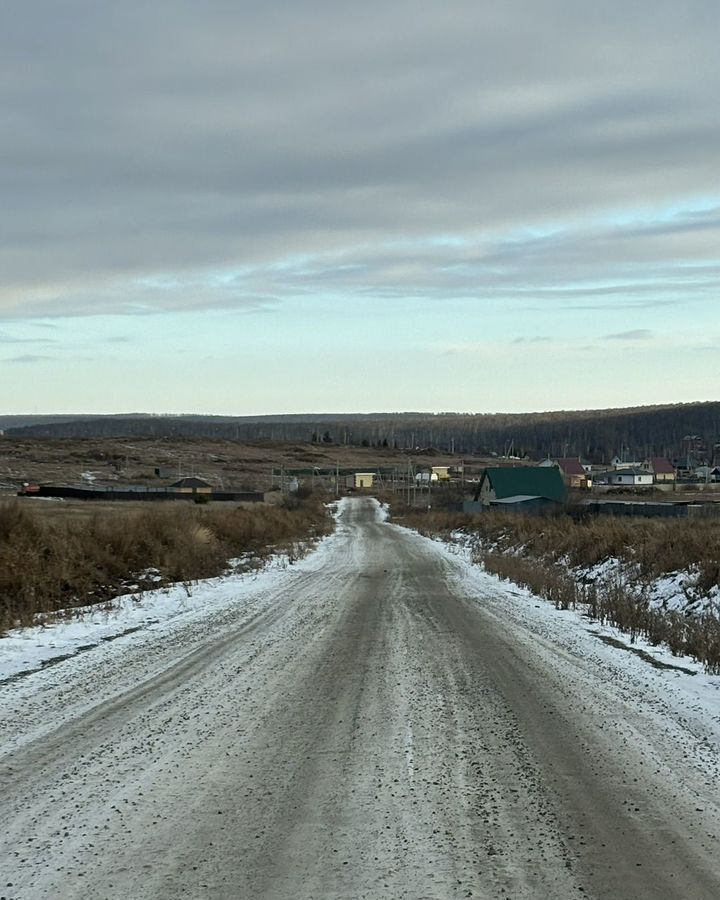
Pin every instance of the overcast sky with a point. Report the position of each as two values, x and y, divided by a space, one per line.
240 208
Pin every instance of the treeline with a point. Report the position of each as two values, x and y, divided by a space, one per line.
596 435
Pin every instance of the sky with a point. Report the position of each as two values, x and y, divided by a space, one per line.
240 208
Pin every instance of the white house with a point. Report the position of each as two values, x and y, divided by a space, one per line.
632 477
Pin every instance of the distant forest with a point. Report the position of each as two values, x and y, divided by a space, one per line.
691 429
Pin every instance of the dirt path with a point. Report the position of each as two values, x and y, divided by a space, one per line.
367 731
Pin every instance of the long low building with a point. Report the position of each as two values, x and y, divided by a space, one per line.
137 492
647 510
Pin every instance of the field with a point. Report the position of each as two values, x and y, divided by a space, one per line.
225 463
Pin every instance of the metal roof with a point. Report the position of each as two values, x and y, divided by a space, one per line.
662 466
189 482
528 481
571 466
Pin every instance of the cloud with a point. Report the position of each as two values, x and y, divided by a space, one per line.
177 141
635 334
12 339
27 358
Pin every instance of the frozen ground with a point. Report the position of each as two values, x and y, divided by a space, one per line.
381 720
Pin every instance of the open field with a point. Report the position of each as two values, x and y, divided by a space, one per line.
108 461
655 546
55 508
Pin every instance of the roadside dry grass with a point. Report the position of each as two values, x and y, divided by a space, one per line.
655 547
539 553
54 562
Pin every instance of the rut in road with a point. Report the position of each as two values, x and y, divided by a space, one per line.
374 733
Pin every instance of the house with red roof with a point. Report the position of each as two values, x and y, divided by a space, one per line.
573 473
662 469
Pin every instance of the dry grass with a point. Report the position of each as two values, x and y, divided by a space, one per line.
49 563
655 547
615 603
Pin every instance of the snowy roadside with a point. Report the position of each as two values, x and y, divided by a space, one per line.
31 649
669 680
676 591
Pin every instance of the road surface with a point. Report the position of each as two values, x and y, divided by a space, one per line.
367 728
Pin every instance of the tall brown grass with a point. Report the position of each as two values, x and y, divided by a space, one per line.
655 547
53 563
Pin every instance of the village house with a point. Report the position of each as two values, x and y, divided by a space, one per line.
618 462
360 480
574 473
536 486
685 468
630 477
708 474
662 469
192 485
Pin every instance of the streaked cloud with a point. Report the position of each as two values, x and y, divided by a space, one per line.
26 358
635 334
13 339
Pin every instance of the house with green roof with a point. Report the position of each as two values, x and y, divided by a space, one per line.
521 484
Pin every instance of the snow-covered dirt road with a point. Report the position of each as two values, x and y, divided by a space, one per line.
379 721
